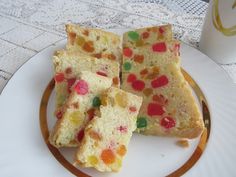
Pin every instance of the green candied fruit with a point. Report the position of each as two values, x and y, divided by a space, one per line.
127 66
141 122
133 35
96 102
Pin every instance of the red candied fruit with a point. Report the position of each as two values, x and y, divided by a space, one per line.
80 135
132 109
68 70
138 85
127 52
155 109
167 122
145 35
122 129
131 78
161 30
160 99
91 113
159 47
70 82
81 87
59 114
160 81
101 73
59 77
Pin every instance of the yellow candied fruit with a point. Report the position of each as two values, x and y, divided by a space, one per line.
93 160
121 99
119 163
104 39
156 69
147 91
139 43
104 100
75 118
80 40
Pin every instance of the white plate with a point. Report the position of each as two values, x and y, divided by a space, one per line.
23 151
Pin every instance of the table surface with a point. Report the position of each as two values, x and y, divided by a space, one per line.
27 27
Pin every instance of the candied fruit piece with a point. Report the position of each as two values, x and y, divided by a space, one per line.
155 109
80 40
138 58
81 87
132 109
96 101
59 77
80 135
160 81
147 91
159 47
127 66
108 156
138 85
121 150
95 135
141 122
133 35
131 78
75 117
167 122
127 52
121 99
93 160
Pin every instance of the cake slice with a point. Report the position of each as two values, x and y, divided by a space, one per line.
147 36
93 42
69 64
160 53
107 136
80 108
169 108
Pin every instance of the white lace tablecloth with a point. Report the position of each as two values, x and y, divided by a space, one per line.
27 27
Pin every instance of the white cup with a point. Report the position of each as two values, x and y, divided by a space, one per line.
218 39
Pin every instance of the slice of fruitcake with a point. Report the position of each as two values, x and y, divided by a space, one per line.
80 107
147 36
107 136
69 64
168 108
93 42
160 53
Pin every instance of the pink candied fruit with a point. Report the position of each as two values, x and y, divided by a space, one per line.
81 87
167 122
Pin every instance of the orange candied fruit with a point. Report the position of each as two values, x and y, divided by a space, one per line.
108 156
115 80
95 135
121 150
